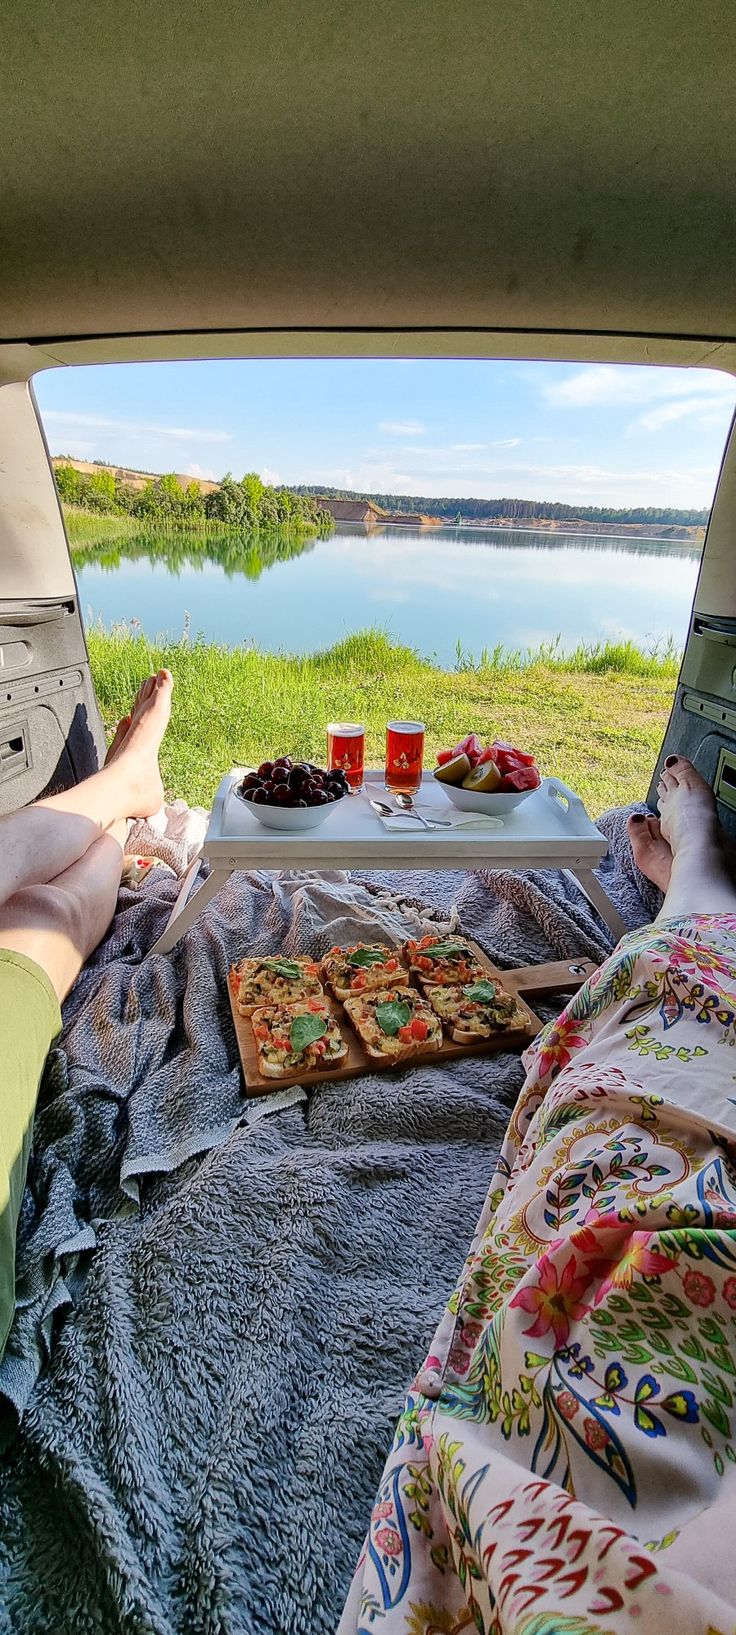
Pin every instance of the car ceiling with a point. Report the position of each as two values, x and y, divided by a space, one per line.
544 165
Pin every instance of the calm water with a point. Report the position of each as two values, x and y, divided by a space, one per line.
429 589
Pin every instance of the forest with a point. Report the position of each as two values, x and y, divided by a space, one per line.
246 504
517 510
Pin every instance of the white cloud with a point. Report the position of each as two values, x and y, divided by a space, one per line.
272 477
440 473
614 383
701 407
62 419
501 442
402 428
205 472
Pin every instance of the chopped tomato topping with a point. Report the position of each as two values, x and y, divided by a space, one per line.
261 1032
319 1047
359 981
282 1044
312 968
392 965
315 1005
426 942
423 963
418 1029
406 1035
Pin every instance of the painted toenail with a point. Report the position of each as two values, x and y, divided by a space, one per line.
637 817
670 761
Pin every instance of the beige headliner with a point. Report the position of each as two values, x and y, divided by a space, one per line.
546 167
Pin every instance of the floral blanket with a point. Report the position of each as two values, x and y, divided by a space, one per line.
565 1463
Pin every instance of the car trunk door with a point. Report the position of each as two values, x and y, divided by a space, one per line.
50 729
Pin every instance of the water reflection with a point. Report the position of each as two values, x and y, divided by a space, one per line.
429 588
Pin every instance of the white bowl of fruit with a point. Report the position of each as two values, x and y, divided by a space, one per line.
492 778
292 795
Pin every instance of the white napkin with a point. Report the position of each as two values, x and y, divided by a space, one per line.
451 819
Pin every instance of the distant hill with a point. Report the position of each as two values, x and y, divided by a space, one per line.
513 510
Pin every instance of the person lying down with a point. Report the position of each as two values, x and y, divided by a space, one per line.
60 867
565 1461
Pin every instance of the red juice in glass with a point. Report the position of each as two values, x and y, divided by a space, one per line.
346 750
404 754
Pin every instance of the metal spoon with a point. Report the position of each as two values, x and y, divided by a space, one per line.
406 802
383 810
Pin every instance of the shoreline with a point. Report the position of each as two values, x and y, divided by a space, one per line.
595 717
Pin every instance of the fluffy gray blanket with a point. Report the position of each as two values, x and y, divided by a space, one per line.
220 1303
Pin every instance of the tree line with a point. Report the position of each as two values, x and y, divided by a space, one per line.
518 510
235 551
246 504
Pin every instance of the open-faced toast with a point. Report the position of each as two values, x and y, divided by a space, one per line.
275 979
395 1025
447 961
290 1039
363 968
476 1011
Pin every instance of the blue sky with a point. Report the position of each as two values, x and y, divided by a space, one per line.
588 434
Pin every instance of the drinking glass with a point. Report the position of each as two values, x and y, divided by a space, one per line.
404 753
346 750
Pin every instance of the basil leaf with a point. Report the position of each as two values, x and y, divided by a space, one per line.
305 1029
283 967
444 950
367 956
391 1016
483 992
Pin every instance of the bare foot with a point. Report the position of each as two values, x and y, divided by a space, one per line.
687 808
118 738
123 726
700 881
136 757
652 853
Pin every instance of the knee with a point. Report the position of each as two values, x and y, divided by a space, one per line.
47 909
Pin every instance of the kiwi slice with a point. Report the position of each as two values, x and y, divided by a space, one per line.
454 771
483 780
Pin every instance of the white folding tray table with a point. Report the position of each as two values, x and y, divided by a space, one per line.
550 830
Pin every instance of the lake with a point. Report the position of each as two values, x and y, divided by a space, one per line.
429 588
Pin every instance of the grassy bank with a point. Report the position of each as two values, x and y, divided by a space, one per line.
85 529
595 718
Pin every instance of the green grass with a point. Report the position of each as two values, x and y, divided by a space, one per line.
595 718
86 528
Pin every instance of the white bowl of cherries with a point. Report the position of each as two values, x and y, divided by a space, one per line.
287 794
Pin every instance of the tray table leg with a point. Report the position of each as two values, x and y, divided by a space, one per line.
593 889
189 905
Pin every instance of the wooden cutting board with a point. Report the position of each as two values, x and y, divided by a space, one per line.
532 980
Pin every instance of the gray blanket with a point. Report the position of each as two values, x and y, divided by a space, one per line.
220 1303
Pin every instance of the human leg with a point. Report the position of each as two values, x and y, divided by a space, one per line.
42 841
46 933
58 924
684 851
558 1459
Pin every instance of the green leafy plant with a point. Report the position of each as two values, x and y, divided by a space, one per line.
392 1015
481 992
283 967
368 956
305 1030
